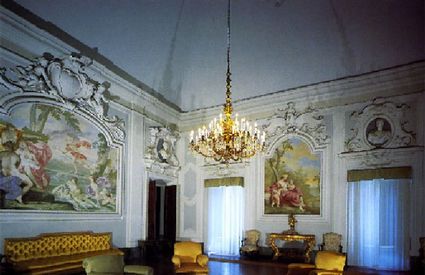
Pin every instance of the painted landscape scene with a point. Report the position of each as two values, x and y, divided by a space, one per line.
54 160
292 179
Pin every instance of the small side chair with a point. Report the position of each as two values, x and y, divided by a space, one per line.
249 246
331 242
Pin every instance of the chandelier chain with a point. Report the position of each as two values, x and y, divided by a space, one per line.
228 106
226 138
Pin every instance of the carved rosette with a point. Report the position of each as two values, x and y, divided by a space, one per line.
380 124
64 81
307 123
160 153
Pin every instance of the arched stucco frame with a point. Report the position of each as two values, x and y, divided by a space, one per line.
64 83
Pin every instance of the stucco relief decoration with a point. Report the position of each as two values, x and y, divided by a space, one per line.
160 151
65 81
380 124
307 123
59 151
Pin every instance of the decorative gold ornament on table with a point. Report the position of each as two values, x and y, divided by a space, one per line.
291 222
227 138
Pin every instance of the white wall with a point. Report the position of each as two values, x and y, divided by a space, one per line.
336 100
21 42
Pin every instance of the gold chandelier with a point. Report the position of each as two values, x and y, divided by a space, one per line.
227 138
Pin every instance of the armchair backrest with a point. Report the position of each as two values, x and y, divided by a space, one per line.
329 260
332 241
187 251
252 237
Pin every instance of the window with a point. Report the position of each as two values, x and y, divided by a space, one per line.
378 223
225 219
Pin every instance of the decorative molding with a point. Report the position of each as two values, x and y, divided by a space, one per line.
64 82
160 153
380 124
383 157
221 170
288 121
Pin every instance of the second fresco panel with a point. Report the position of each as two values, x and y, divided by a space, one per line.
292 179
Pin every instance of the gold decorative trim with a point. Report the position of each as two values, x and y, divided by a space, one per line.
231 181
381 173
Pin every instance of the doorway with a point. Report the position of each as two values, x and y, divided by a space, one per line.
161 211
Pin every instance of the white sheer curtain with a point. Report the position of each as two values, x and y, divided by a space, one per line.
378 231
225 219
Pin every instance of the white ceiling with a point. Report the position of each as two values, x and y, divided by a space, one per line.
178 47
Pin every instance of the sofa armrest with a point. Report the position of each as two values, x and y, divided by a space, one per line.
202 260
176 261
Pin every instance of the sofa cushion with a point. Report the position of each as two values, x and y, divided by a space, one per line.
61 260
187 251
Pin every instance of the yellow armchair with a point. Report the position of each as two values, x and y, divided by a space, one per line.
326 262
188 257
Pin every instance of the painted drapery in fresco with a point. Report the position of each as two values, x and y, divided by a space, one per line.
54 160
292 179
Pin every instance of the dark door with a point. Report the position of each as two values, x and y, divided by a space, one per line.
170 213
152 213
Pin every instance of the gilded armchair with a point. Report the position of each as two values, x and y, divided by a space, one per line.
331 242
249 246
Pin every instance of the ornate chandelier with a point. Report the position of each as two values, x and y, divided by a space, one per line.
227 138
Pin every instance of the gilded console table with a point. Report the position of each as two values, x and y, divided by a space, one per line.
309 240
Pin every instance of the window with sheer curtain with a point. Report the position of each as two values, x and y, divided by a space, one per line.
225 219
378 230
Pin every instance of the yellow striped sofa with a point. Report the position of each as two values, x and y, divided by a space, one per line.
56 252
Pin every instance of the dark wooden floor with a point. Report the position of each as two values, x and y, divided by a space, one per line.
223 266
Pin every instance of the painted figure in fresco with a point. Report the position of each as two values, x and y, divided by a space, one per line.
99 190
42 154
293 196
379 136
74 148
93 189
81 199
13 182
277 189
71 193
10 183
106 198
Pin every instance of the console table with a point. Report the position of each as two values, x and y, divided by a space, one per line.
309 241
